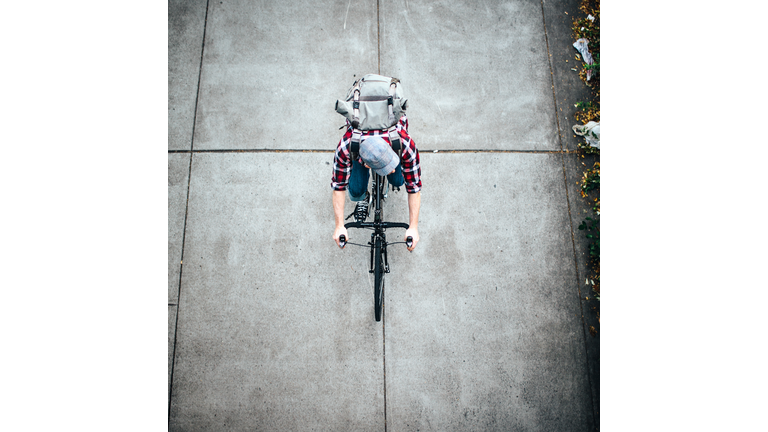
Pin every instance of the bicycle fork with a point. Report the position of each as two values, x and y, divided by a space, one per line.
383 252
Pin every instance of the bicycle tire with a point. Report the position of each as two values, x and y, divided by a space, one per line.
378 276
378 197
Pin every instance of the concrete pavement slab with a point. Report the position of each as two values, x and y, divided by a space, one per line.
274 68
178 176
581 208
186 23
275 329
476 74
483 323
569 89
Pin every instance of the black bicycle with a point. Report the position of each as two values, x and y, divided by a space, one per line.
378 243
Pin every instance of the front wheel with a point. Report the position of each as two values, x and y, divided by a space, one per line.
378 276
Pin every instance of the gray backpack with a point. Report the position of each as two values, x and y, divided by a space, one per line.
374 102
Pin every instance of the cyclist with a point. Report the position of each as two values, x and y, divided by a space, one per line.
376 153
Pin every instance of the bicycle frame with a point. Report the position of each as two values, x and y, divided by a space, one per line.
379 263
378 225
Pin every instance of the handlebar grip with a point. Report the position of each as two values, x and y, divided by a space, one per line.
342 241
409 241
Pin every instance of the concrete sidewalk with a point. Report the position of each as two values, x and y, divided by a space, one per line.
271 325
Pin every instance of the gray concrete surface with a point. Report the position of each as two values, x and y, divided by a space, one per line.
580 209
273 68
568 87
482 66
186 24
274 331
482 327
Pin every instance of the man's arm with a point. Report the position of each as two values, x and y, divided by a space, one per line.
414 204
342 166
338 215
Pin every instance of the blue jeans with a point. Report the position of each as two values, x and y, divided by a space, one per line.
358 180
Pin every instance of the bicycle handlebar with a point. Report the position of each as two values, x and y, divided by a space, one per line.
384 225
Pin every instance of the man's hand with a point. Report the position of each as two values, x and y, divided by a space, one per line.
413 233
414 204
338 216
339 231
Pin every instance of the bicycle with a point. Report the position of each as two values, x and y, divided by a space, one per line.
378 244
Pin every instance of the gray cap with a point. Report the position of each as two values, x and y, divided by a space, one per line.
378 155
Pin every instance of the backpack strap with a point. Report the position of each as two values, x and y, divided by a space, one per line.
390 99
394 139
356 109
354 146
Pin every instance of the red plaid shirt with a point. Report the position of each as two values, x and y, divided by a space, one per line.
342 162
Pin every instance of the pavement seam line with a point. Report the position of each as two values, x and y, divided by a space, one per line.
425 151
570 216
384 355
378 66
186 213
383 307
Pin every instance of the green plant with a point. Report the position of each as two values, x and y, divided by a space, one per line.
592 231
588 27
586 105
588 111
595 64
590 180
